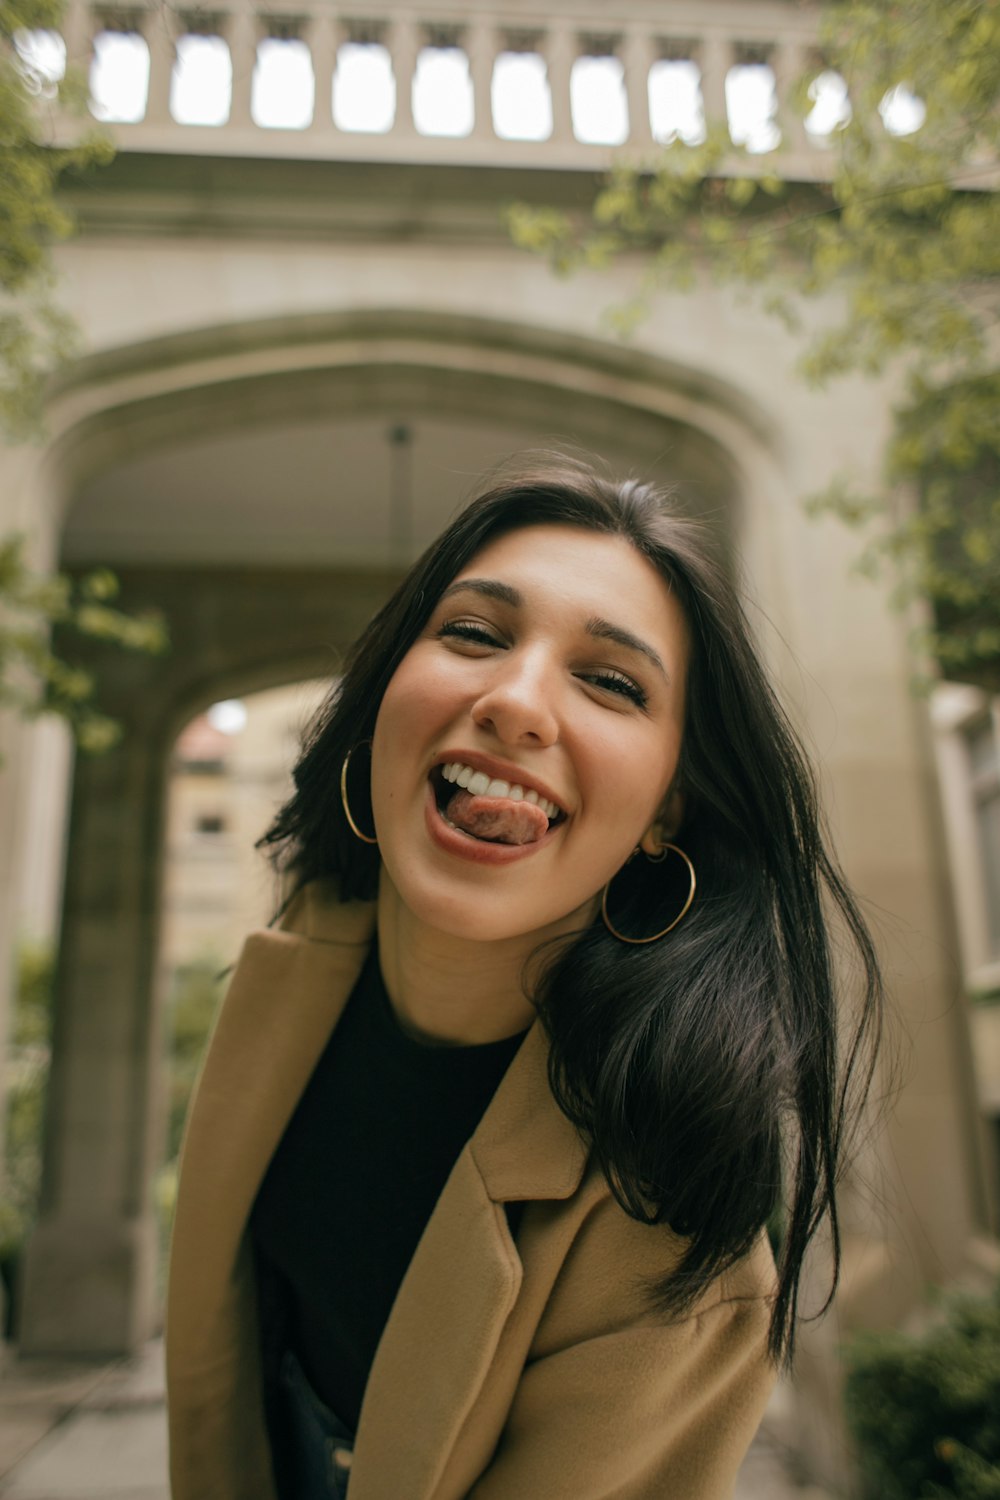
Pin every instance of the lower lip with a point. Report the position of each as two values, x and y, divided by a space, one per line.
477 851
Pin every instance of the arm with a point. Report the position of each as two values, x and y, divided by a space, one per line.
647 1413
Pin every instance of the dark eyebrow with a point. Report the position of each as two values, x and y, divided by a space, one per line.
603 630
492 588
597 626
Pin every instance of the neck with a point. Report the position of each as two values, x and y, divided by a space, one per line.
452 990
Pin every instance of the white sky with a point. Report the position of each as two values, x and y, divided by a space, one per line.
364 92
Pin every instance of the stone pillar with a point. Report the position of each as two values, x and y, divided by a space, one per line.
482 50
404 46
242 35
715 58
560 51
159 33
29 505
90 1271
322 38
638 55
78 29
789 60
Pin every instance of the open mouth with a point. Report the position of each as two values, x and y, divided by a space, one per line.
489 809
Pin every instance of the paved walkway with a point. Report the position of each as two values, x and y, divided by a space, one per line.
89 1431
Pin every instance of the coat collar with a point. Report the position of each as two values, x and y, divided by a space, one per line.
524 1147
287 993
465 1276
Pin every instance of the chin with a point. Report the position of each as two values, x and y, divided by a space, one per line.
478 917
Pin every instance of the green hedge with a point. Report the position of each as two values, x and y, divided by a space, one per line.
925 1410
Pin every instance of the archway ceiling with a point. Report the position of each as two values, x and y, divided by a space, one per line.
255 479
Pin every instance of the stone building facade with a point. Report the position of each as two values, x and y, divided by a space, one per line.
299 350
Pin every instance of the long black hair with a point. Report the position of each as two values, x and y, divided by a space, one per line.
712 1071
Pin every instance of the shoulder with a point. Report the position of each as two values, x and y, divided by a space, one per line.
316 912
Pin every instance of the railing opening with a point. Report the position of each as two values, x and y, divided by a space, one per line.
283 90
597 101
364 89
831 109
119 77
43 54
442 92
752 106
902 111
676 109
521 98
201 84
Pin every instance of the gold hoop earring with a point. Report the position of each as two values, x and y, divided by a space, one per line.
654 859
365 838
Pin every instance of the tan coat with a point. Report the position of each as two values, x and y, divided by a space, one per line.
527 1372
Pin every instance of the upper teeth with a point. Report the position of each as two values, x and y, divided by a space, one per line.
481 785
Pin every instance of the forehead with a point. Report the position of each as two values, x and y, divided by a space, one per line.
584 571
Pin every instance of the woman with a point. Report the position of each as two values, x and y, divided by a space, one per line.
475 1187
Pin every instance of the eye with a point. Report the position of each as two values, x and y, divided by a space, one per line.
469 630
617 682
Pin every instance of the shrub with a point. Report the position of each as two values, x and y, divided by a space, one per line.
191 1007
27 1079
925 1410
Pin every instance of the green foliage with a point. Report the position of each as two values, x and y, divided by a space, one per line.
35 337
34 678
925 1411
35 334
191 1008
28 1071
908 233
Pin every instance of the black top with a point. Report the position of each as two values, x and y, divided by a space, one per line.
353 1182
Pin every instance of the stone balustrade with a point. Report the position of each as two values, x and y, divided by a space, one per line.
712 37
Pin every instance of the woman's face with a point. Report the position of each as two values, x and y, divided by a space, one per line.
530 737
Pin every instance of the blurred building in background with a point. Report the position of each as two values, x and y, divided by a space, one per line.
304 337
230 771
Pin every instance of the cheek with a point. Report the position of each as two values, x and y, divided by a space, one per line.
419 691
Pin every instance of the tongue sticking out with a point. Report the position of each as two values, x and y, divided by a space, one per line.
497 818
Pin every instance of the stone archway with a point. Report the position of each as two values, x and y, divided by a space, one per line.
90 1273
89 1283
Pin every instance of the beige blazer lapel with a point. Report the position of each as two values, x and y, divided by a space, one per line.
285 997
461 1286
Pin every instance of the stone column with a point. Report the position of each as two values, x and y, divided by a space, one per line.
29 504
159 28
559 48
321 37
90 1271
481 46
242 35
715 58
404 46
789 60
79 26
638 55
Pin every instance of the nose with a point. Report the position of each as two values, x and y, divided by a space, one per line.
519 703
